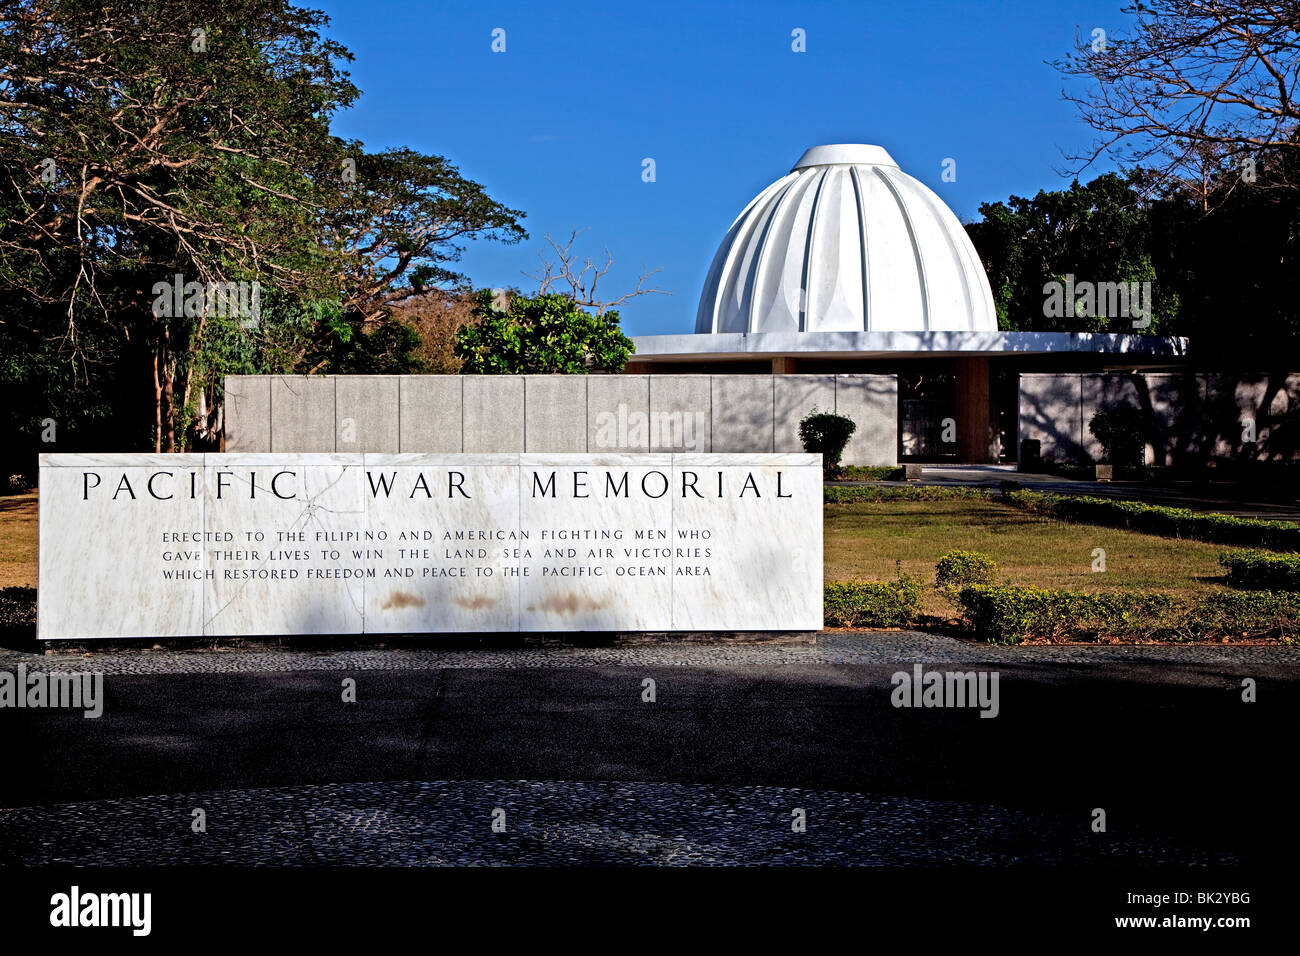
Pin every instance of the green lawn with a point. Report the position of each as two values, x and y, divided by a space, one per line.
864 540
18 540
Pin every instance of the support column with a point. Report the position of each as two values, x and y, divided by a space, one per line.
977 436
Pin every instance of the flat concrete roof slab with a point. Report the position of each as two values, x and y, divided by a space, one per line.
839 345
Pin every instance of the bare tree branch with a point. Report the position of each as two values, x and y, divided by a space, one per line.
582 282
1196 85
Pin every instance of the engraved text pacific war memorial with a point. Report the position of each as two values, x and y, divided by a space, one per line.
261 544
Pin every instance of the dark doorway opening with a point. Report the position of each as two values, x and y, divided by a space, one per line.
927 415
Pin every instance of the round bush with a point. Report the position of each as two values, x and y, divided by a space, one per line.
958 569
827 434
1121 431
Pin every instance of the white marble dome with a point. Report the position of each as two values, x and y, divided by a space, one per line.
846 242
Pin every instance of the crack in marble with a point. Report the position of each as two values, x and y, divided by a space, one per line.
310 507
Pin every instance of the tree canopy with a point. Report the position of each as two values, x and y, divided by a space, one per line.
545 333
1226 276
188 143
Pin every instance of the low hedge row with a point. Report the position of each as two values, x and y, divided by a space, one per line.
870 473
872 603
1120 472
1161 520
844 494
1008 615
1262 570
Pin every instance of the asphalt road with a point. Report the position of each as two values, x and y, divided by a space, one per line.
1165 749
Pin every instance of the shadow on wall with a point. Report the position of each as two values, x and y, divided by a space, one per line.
1263 407
1050 413
1169 403
742 413
1192 419
872 402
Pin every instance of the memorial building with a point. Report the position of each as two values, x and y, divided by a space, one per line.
846 264
846 285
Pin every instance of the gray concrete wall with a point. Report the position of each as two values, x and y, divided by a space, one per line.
556 413
366 411
1051 411
741 413
1267 403
872 402
429 413
1191 418
618 413
302 414
248 413
793 398
492 413
680 413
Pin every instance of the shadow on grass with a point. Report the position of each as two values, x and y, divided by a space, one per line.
18 619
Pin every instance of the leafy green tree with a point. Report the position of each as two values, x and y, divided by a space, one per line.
150 141
397 225
544 333
1099 232
1235 263
191 138
1224 271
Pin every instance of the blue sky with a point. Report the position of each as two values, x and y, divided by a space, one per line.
558 124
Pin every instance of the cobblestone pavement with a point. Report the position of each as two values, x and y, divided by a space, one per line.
443 823
834 647
276 819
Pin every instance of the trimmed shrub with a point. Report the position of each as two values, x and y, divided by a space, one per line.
1011 614
1262 570
839 494
827 434
1247 614
1008 615
957 569
872 603
1121 431
1160 520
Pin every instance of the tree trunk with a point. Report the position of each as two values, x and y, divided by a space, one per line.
157 402
169 411
169 387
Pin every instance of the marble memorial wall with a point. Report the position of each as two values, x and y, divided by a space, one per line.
140 545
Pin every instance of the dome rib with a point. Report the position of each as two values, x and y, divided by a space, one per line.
795 257
960 252
758 246
772 298
734 292
764 257
706 317
866 250
806 292
917 254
